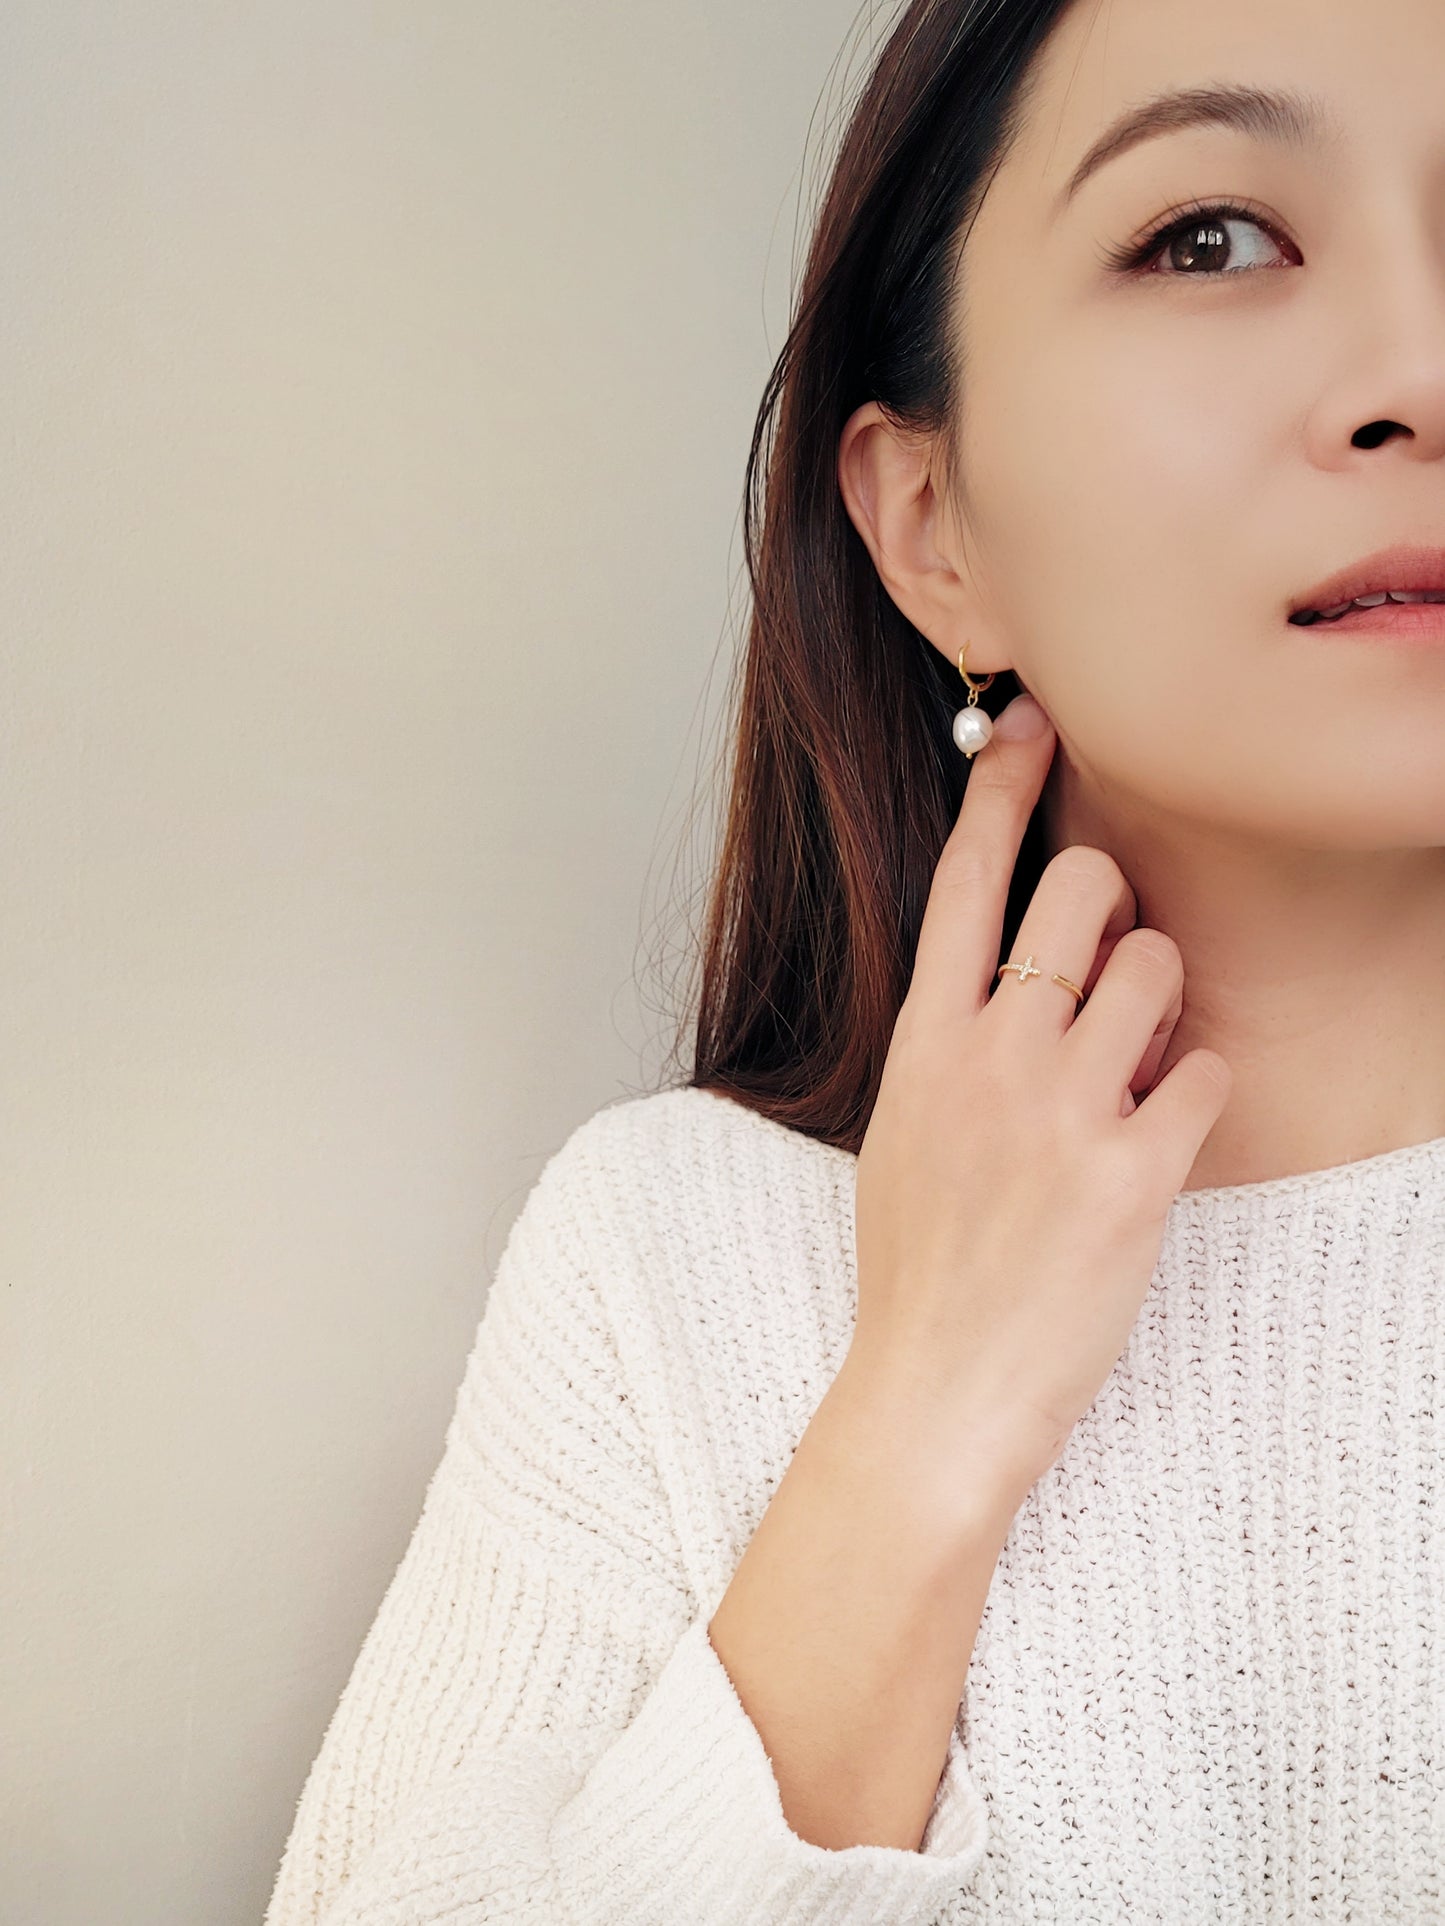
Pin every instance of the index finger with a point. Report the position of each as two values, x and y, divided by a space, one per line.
958 940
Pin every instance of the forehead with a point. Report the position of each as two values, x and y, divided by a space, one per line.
1104 57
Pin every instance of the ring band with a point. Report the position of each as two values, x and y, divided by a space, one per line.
1026 969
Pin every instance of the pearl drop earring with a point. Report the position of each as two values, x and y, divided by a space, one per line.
972 726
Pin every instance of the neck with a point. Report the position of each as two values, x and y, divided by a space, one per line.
1317 974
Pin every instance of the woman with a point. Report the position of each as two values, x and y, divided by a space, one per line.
970 1452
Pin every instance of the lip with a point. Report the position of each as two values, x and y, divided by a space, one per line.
1409 567
1416 623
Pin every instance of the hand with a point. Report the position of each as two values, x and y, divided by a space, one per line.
1011 1194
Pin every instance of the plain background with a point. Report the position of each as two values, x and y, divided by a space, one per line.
379 386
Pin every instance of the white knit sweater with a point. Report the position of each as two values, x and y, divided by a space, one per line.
1208 1686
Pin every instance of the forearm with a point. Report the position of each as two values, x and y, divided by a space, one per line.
848 1627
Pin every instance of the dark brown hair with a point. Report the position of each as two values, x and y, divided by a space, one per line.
845 779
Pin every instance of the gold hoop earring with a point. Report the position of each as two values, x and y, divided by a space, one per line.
972 726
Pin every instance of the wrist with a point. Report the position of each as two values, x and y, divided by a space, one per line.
971 1477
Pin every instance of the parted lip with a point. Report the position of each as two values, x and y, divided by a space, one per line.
1411 568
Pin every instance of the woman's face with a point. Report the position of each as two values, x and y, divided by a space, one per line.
1157 462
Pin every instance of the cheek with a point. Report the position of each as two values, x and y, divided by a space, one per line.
1113 510
1107 533
1121 458
1121 505
1104 548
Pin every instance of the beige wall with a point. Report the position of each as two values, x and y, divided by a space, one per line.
378 386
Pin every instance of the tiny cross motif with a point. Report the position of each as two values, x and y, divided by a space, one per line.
1026 968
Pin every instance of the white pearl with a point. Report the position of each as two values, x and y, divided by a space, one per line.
971 730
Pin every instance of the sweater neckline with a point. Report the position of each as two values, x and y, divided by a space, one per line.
1399 1165
1387 1166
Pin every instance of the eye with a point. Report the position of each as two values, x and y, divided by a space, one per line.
1196 242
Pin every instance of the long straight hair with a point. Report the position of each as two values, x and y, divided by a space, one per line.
845 780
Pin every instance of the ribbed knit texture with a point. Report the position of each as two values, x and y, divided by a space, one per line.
1207 1687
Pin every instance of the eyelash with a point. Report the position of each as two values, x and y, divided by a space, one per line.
1134 256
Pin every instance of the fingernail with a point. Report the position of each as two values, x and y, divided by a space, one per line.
1023 717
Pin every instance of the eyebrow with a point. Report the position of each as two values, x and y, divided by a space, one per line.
1287 117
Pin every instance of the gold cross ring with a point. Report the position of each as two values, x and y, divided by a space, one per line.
1026 968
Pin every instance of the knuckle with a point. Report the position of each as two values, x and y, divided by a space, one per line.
967 869
1217 1069
1073 1124
1085 869
1149 954
1125 1184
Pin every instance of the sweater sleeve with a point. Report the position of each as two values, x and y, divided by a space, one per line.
537 1730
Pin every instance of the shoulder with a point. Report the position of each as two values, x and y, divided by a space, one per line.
685 1267
727 1238
678 1120
697 1172
643 1178
689 1128
697 1220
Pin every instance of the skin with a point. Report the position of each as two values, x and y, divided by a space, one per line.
1151 467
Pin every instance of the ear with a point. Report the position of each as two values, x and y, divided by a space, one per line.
886 475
